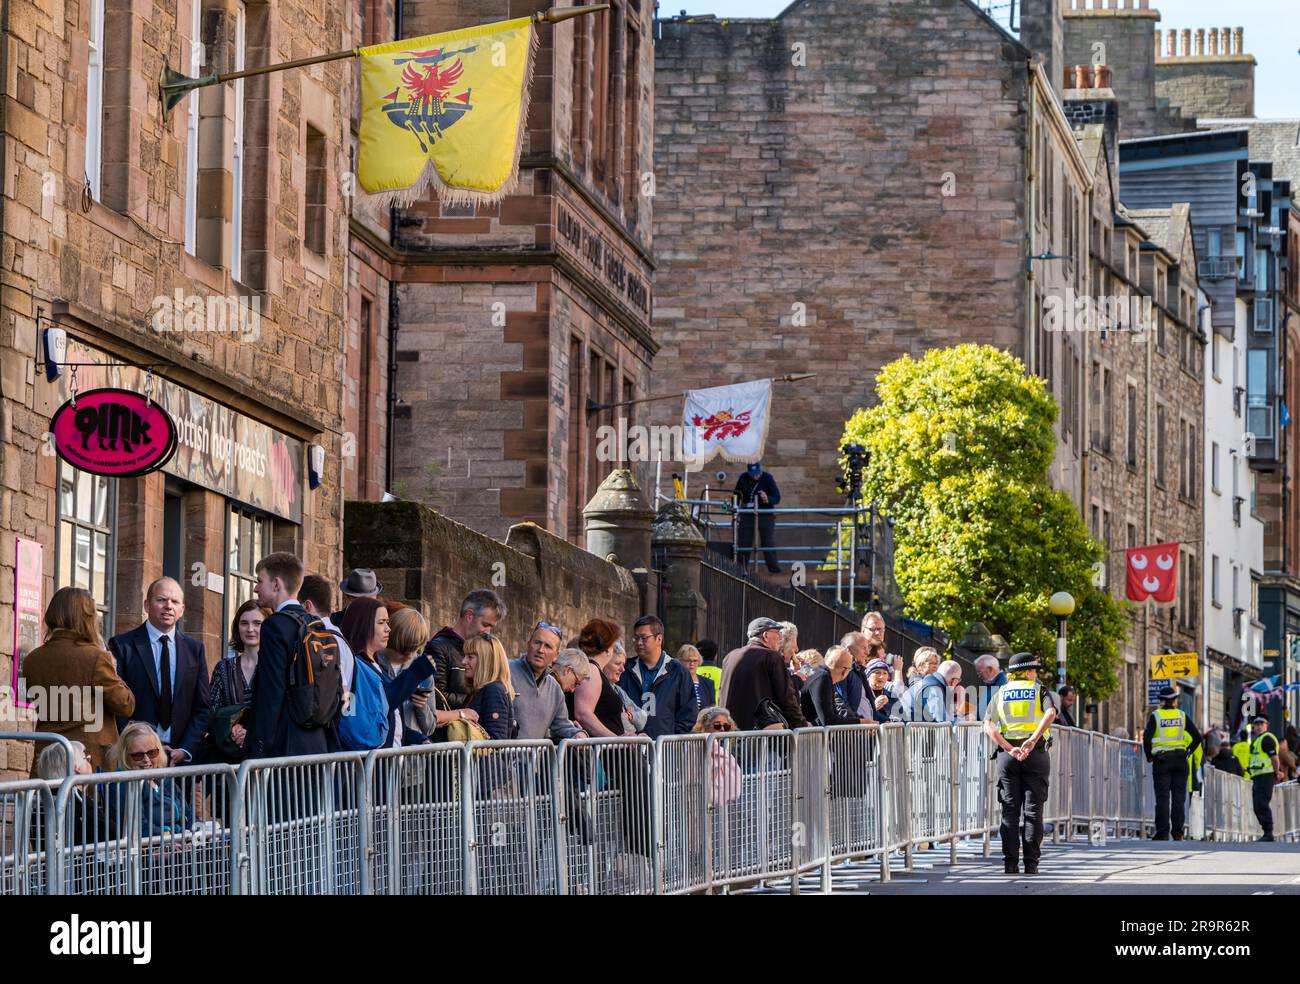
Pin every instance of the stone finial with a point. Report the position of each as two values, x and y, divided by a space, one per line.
1081 80
1200 41
617 521
1239 41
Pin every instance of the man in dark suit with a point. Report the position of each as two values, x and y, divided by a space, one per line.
167 672
271 732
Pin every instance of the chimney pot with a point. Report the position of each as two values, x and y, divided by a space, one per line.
1225 42
1214 40
1081 76
1200 41
1101 77
1160 46
1239 37
1173 43
1187 42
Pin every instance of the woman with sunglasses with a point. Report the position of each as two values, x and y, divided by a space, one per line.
163 808
723 768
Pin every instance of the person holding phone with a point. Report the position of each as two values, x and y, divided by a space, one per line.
407 634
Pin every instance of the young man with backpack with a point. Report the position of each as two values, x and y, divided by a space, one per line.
297 689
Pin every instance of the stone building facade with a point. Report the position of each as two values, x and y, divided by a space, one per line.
1143 360
490 330
837 187
198 256
1163 80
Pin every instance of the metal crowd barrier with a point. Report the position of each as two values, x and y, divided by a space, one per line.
681 814
1230 808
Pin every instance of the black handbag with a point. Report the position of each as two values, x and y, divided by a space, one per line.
767 714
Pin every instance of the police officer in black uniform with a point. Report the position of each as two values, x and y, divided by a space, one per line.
1169 733
1019 721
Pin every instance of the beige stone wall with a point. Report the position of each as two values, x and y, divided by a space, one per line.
104 262
801 222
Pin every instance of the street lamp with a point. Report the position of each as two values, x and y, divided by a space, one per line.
1061 605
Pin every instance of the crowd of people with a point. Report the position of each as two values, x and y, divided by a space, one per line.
381 677
302 677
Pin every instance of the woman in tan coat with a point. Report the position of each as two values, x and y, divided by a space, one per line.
73 679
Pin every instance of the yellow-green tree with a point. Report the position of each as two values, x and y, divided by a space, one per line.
961 441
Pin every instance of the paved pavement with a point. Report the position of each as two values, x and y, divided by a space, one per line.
1122 867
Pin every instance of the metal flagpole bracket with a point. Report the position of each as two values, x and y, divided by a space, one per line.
556 14
175 87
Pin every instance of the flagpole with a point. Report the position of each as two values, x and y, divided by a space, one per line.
594 407
174 86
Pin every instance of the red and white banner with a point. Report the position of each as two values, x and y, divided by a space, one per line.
1153 572
726 420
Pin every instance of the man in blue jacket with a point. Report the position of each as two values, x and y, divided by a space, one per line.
657 683
929 698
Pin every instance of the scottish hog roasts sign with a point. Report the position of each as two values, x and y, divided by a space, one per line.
114 432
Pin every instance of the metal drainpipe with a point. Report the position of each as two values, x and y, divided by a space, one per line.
1146 521
394 310
1030 213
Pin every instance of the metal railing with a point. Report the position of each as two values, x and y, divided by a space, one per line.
681 814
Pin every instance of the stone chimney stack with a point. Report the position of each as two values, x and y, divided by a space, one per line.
1042 31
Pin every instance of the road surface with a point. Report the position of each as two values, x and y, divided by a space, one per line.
1122 867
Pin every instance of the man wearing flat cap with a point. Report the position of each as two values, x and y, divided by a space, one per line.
755 673
1019 722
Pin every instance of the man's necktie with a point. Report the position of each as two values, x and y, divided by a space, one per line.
164 685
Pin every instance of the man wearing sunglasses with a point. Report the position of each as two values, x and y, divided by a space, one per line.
539 706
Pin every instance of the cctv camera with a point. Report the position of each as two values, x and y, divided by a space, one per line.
720 476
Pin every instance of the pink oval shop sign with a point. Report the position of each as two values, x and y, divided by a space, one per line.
114 432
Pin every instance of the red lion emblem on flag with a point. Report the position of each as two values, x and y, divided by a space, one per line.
722 425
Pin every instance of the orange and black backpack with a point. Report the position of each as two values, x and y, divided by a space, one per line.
315 692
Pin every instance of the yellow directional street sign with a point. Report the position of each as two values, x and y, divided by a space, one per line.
1170 666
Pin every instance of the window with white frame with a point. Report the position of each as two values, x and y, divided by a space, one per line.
95 96
237 172
192 131
87 507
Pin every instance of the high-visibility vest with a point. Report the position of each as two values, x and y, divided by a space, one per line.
714 675
1194 762
1170 734
1260 764
1241 750
1020 705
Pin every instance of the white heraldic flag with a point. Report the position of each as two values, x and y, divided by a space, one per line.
726 420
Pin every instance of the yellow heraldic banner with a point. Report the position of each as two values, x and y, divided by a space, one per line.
446 112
